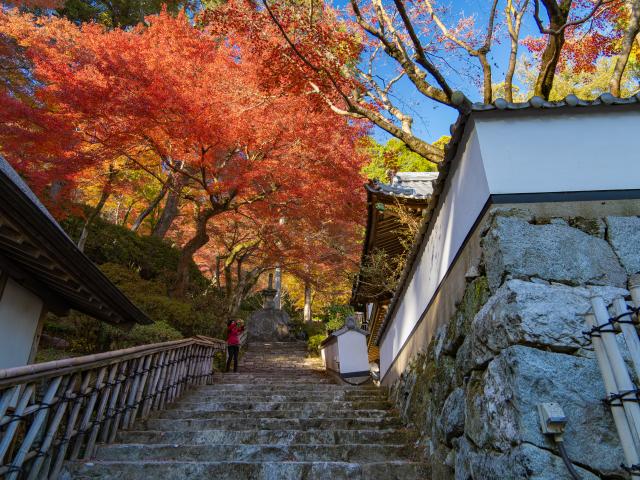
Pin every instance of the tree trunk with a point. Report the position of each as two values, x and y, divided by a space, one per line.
307 302
486 74
152 206
217 271
106 192
170 210
550 58
514 23
558 15
243 286
630 34
196 242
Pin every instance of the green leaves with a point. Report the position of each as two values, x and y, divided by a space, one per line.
395 156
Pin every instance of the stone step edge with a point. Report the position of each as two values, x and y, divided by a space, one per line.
194 462
293 431
258 445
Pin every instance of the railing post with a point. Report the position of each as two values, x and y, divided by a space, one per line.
625 432
52 428
35 428
109 397
133 392
165 379
150 396
140 390
86 418
71 423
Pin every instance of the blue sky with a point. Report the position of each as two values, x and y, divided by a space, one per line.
432 120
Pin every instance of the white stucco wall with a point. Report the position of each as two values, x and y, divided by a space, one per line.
352 350
511 154
329 354
19 316
561 153
467 195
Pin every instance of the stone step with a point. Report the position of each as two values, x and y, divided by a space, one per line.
276 381
253 423
308 406
235 396
284 387
269 414
254 453
269 437
280 417
136 470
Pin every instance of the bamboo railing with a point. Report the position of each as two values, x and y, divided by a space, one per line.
60 410
620 380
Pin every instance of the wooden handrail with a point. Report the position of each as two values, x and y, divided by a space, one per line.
60 410
14 375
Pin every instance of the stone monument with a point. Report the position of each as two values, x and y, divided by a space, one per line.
268 324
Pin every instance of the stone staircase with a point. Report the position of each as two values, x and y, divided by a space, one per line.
279 417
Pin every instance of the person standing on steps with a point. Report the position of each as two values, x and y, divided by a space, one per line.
234 329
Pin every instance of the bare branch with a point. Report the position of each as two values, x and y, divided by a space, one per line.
420 53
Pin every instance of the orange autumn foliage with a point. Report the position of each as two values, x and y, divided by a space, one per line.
189 101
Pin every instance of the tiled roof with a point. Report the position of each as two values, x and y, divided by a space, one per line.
539 102
38 254
410 185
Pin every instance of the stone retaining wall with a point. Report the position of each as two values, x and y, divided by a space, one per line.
517 340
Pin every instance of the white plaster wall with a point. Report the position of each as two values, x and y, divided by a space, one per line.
464 199
330 356
19 316
561 153
352 348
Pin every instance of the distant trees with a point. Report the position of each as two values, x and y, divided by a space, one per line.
394 156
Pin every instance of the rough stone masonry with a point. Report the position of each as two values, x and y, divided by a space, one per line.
516 340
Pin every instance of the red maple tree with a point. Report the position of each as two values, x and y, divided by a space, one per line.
200 106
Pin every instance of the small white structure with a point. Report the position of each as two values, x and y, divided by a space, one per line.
344 352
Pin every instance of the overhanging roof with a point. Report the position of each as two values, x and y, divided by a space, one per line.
38 254
410 190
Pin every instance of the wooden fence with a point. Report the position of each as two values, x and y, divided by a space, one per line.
59 410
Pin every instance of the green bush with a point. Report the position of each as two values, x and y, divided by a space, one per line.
315 328
141 334
313 344
335 315
153 258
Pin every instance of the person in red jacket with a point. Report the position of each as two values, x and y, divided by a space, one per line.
234 329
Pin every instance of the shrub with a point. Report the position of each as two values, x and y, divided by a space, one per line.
313 344
153 258
141 334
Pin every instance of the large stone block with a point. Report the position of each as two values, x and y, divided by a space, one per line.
451 420
455 331
522 462
624 235
552 252
501 407
528 313
268 324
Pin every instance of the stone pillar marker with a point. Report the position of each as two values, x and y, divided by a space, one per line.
277 301
269 295
270 323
